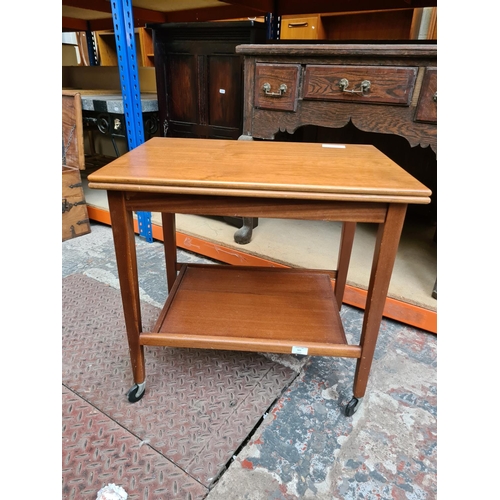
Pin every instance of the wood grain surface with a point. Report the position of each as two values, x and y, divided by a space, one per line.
259 166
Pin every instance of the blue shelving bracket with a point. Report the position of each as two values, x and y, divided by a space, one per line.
273 26
123 21
144 222
91 47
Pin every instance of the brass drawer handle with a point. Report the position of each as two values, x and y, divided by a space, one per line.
363 87
267 90
298 25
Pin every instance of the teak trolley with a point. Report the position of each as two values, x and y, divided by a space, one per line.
265 309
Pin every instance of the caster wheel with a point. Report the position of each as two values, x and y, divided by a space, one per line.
135 393
352 407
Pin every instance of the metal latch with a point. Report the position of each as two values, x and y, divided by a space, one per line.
79 223
66 206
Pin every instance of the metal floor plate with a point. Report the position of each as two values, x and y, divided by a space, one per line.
199 407
98 451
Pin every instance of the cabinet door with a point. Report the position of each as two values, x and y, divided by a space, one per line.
182 88
224 91
199 77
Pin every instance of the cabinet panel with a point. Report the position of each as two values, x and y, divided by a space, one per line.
199 76
182 97
224 90
375 25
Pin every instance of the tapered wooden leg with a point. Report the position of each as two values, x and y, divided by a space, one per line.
122 225
345 250
384 257
170 246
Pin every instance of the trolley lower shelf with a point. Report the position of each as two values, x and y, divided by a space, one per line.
252 309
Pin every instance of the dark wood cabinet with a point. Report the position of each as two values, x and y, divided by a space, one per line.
380 93
199 77
354 93
386 88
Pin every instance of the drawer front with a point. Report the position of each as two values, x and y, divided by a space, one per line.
276 86
360 84
427 100
301 28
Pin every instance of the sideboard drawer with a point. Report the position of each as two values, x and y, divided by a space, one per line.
276 86
427 101
360 84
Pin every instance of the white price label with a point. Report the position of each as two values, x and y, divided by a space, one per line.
299 350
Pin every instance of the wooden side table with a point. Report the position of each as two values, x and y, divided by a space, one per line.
270 310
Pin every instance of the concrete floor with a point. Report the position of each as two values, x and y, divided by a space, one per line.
302 446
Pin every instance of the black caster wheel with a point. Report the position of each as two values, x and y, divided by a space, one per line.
352 407
135 393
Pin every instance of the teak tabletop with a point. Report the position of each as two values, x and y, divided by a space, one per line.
261 168
257 309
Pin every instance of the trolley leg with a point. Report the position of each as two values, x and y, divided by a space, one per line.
384 257
122 225
170 246
346 242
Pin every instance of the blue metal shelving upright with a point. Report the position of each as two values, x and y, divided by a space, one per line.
123 22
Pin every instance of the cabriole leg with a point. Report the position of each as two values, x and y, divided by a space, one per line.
244 234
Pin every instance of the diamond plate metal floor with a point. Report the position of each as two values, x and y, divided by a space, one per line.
199 408
98 451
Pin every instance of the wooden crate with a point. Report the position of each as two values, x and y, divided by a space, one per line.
72 130
75 219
